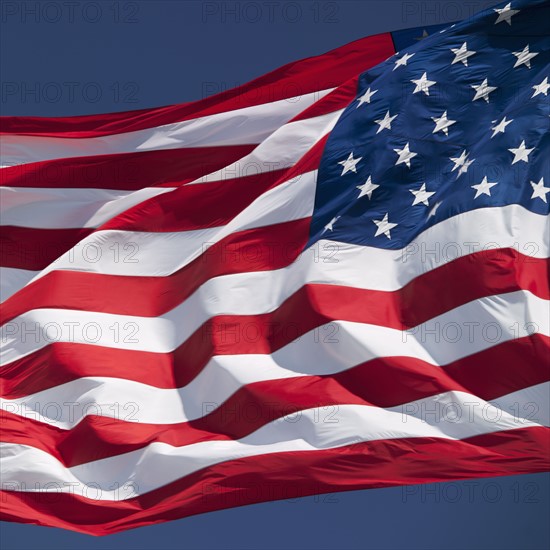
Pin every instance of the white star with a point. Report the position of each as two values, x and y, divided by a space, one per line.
421 196
405 156
329 226
483 188
442 123
462 163
366 97
462 54
423 84
385 123
446 29
501 126
482 91
402 61
524 57
367 188
539 191
349 164
384 226
521 153
424 35
541 88
505 13
434 209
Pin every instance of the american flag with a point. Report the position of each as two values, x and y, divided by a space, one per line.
334 277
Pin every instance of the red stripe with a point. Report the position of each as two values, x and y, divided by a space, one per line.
384 382
212 204
338 99
253 249
295 79
163 168
198 206
125 171
499 271
34 249
310 307
383 463
261 249
186 208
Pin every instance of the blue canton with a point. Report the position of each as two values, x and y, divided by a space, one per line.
454 122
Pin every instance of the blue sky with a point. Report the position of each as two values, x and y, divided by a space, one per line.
63 58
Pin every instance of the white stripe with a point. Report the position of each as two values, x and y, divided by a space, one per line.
12 280
282 149
237 127
492 319
348 345
163 253
327 261
60 208
25 468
